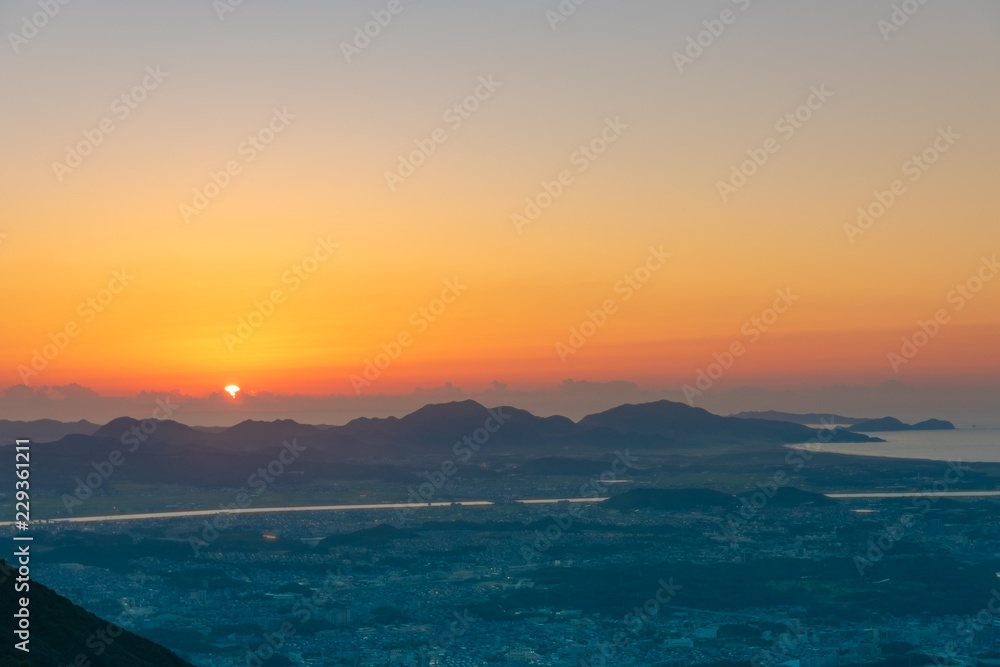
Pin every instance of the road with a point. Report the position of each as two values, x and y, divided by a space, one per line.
183 514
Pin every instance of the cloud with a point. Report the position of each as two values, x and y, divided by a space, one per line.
578 387
73 392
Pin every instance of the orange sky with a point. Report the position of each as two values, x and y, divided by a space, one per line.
670 137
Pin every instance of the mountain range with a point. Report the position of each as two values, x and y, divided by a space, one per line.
43 430
170 452
851 423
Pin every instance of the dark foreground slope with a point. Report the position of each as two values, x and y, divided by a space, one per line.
62 631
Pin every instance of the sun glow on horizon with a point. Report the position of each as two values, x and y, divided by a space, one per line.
232 389
309 268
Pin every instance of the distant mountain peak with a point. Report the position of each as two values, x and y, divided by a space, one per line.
893 424
116 427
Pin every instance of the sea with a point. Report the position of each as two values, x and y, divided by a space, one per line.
966 444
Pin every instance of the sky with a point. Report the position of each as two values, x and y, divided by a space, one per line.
685 197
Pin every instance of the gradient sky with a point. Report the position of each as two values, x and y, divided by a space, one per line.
323 176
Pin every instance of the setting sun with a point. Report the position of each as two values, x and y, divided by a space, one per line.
232 389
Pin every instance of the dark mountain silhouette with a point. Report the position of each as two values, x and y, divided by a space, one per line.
683 423
210 429
255 435
437 427
851 423
165 430
172 453
893 424
42 430
657 418
933 425
60 631
804 418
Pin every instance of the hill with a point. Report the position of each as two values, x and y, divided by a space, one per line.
152 431
796 418
435 428
893 424
670 499
684 424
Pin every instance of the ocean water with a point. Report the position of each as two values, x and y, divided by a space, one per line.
962 444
